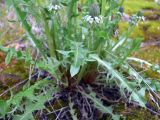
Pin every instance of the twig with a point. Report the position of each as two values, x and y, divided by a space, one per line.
152 111
58 110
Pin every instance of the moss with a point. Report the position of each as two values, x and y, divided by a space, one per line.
140 114
137 32
16 68
148 13
134 113
152 74
150 54
133 6
11 74
15 71
149 30
153 28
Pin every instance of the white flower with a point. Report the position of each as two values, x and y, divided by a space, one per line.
143 18
97 20
88 18
91 20
54 7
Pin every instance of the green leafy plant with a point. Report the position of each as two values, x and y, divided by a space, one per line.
76 44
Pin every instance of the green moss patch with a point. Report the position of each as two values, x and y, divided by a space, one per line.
149 30
133 6
150 54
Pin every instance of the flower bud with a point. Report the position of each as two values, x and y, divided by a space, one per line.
94 10
54 2
121 9
139 14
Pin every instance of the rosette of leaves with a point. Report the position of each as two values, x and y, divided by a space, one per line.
73 51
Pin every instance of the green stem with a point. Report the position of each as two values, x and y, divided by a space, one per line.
129 51
51 38
121 2
81 73
103 5
91 38
71 12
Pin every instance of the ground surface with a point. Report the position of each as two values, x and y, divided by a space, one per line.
149 30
